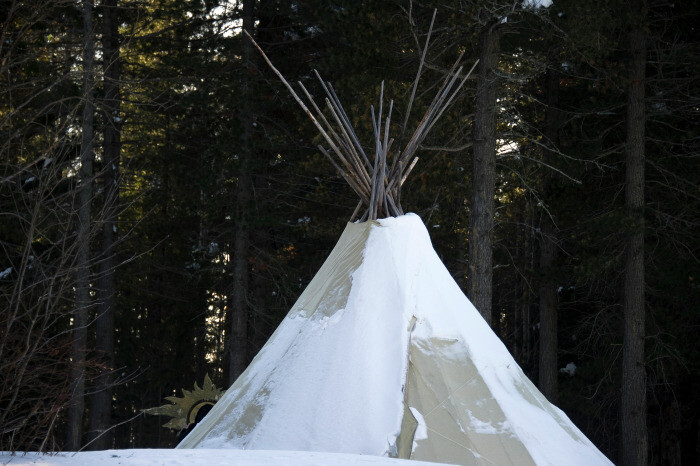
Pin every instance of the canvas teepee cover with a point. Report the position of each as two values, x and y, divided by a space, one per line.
384 355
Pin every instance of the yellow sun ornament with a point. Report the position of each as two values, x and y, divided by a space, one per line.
184 410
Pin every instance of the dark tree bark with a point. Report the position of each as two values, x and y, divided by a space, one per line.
634 406
479 285
74 428
101 402
548 252
238 347
518 334
548 314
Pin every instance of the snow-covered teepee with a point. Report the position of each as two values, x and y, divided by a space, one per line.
383 354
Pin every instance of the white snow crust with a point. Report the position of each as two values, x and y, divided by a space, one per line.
141 457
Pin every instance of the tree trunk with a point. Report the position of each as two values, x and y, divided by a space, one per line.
526 329
238 347
634 407
484 175
548 370
101 405
548 314
74 428
518 334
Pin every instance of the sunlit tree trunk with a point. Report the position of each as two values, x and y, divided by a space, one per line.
74 428
634 406
481 220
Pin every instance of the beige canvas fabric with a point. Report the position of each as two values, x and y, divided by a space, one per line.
464 423
330 287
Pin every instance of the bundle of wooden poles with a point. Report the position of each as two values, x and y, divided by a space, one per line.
378 181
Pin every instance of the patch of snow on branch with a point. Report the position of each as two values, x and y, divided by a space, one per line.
537 3
569 369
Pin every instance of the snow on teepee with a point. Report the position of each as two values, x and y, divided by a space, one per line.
383 354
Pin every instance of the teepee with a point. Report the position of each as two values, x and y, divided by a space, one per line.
383 354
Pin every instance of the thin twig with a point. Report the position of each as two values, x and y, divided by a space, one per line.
418 73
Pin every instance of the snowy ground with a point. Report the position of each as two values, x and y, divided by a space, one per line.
202 456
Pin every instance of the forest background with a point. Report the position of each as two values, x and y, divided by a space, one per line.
163 202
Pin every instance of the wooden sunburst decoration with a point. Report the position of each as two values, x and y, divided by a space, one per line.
183 410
